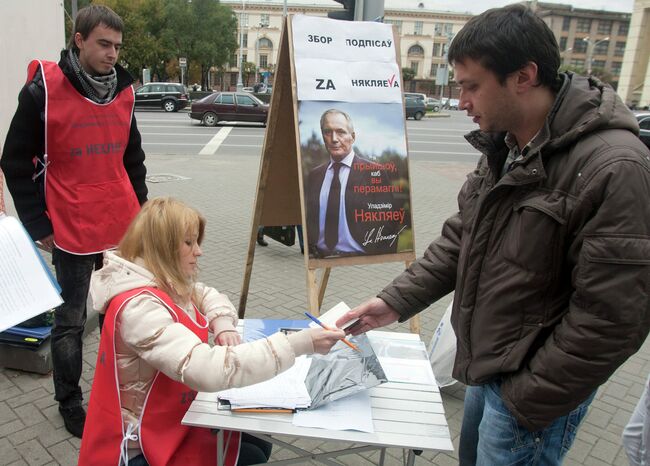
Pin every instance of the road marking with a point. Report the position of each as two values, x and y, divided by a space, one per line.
442 152
212 146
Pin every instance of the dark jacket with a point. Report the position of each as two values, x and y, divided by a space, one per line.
26 140
550 263
356 204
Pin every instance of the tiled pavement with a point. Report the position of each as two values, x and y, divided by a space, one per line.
222 187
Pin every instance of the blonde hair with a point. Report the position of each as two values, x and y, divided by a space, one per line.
156 235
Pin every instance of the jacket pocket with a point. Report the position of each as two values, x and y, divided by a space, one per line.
534 234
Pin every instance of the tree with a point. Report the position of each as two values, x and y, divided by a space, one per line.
408 74
248 68
203 31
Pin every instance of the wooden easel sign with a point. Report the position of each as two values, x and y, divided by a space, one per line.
338 102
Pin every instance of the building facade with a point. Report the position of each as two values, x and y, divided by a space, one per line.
423 31
589 40
634 85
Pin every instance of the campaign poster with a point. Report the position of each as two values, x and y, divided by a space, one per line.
353 149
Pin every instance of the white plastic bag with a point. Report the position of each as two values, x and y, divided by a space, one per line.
442 350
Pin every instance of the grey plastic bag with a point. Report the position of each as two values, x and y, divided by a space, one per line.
343 372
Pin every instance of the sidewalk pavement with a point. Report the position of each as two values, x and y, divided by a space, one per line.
222 187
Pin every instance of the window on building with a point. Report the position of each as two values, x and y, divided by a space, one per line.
265 43
598 65
233 60
244 40
434 70
233 79
243 18
416 50
566 23
417 29
601 49
604 27
265 20
445 48
395 22
578 63
619 51
264 61
436 49
563 41
437 29
579 46
616 68
584 25
414 66
623 28
448 29
244 57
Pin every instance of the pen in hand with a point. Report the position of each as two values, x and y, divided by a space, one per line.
354 347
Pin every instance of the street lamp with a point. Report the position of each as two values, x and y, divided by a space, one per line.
257 46
591 45
240 83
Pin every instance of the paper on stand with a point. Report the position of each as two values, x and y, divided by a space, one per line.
349 413
26 285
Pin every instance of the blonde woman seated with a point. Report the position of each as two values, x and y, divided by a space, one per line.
153 355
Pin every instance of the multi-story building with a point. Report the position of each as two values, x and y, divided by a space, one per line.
424 35
589 40
634 85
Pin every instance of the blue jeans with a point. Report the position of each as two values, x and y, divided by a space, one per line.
73 274
490 434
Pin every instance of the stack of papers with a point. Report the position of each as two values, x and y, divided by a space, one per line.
286 390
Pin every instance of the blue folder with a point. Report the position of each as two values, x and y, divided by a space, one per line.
254 329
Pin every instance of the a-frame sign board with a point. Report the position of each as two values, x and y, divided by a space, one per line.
376 192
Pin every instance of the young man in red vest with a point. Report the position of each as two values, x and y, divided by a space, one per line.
74 166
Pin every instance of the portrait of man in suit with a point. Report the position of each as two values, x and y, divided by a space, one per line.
350 209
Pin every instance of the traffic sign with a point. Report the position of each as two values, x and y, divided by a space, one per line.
182 61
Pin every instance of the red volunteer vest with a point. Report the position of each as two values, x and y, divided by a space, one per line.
89 198
163 439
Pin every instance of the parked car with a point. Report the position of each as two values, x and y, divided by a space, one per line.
433 105
229 106
171 97
644 125
247 89
415 108
415 95
450 103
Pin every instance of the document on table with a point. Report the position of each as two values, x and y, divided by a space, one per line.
285 390
350 413
403 359
330 317
27 287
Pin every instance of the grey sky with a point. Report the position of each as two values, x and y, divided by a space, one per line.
478 6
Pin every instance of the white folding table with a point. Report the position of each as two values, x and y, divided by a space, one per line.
407 416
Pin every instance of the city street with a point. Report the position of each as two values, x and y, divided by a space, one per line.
434 139
216 171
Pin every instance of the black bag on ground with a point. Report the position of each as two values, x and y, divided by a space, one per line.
284 234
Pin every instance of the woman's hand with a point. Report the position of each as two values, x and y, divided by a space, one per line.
323 340
227 338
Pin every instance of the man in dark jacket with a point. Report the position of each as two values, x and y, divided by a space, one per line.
549 254
75 169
